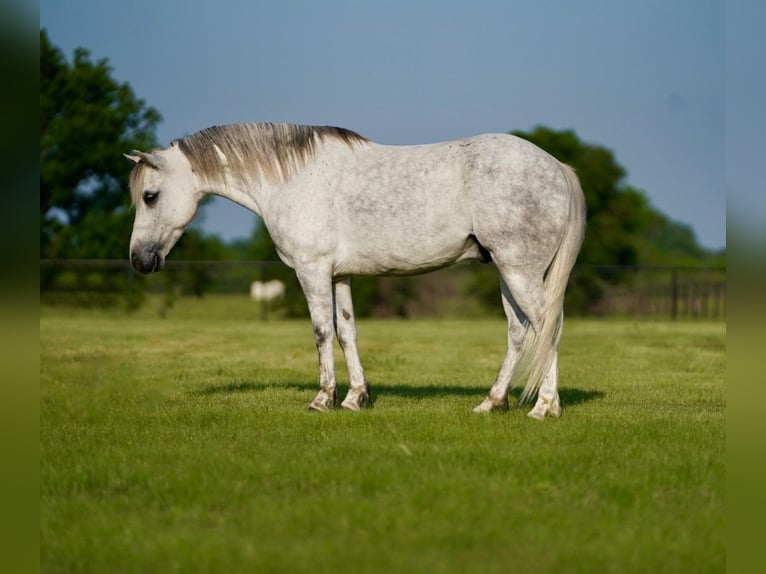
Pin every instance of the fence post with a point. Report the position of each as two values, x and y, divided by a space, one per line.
674 294
131 296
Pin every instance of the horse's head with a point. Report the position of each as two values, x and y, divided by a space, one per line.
163 188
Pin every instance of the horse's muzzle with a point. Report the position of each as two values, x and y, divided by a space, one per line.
146 260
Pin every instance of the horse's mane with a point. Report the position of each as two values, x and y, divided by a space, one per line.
251 150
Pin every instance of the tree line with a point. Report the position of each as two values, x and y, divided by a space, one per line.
88 119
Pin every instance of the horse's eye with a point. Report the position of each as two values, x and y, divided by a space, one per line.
150 197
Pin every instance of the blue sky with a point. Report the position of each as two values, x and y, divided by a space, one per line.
646 79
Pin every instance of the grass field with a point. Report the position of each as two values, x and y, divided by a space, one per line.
184 445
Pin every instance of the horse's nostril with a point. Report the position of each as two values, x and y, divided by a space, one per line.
135 261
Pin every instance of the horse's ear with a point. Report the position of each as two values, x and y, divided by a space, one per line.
149 159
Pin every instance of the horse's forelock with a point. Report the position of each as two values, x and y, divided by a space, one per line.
137 182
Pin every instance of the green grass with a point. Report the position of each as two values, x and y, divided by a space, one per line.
184 445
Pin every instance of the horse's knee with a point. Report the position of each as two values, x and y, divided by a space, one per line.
322 334
345 328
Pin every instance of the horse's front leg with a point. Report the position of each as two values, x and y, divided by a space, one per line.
345 327
317 287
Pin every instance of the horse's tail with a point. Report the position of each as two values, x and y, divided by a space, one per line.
539 348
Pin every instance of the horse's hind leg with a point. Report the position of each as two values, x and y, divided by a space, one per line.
522 302
345 327
548 395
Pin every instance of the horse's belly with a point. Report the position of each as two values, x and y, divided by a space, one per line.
404 253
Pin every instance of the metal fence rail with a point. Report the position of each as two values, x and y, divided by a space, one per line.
463 290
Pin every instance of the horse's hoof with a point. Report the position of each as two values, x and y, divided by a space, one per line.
319 407
537 414
544 408
323 403
488 405
355 401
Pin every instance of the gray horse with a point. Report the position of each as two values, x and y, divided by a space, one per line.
338 205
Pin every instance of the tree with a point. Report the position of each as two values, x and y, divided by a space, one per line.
87 120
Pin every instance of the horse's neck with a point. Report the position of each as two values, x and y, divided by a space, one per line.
255 194
249 196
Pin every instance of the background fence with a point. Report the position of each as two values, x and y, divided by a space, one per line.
461 291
